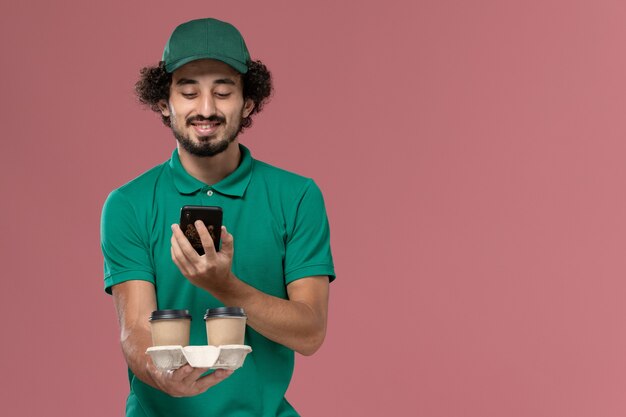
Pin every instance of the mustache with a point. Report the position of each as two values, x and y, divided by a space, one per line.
213 118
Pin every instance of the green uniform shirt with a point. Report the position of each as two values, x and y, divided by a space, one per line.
281 234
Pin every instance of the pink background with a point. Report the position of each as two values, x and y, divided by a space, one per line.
471 154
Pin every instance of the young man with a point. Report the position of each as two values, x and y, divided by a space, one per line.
275 258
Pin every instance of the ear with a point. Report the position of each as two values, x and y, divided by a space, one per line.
165 110
248 106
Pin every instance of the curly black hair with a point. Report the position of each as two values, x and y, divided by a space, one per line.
154 85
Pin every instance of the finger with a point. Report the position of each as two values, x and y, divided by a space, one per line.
194 375
162 377
181 374
182 248
177 253
206 239
182 241
179 258
228 242
214 378
158 376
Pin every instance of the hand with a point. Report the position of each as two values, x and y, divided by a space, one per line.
210 271
185 381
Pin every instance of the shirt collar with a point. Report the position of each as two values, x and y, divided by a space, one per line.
234 185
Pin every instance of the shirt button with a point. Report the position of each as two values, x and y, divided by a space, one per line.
209 193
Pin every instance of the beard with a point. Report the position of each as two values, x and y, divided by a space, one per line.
207 146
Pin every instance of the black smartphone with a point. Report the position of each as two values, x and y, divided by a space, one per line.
211 216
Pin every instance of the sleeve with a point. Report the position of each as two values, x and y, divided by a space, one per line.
125 249
307 250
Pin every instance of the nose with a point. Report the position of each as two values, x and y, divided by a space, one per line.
207 105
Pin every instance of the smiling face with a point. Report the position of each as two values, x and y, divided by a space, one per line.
206 106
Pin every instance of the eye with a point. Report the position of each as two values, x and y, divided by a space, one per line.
222 95
188 95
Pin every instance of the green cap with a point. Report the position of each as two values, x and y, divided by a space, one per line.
206 38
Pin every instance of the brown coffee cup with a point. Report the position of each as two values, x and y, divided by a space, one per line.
170 327
225 326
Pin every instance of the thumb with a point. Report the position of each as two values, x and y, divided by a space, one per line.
227 242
